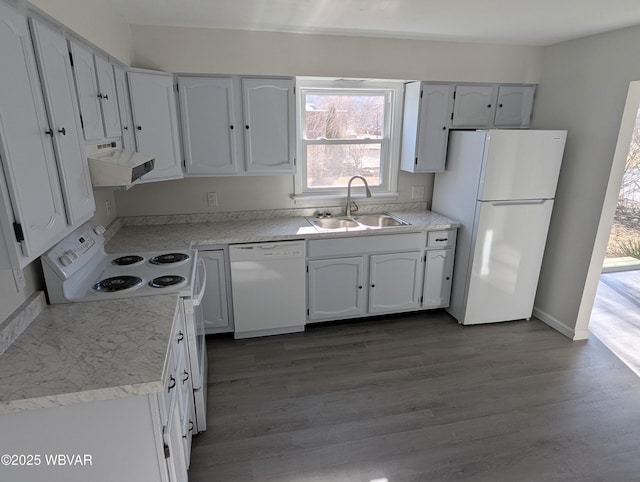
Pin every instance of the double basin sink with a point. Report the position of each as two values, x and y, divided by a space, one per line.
351 223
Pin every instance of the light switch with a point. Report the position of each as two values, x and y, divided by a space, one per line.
212 199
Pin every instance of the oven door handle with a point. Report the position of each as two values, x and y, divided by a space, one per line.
201 274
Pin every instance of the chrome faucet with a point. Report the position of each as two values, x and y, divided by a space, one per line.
349 201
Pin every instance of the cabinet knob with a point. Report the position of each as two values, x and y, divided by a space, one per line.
139 128
500 105
246 127
172 383
231 127
125 128
489 106
448 278
62 131
180 336
49 132
103 96
444 128
186 376
373 286
359 287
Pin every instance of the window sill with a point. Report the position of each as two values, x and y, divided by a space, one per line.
342 197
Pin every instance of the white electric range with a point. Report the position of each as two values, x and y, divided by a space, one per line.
78 269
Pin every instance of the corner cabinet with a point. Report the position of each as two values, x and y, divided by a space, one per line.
32 213
237 125
155 119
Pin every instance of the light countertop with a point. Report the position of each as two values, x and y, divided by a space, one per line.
81 352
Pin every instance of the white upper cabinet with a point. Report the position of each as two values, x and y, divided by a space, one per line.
514 105
32 198
269 125
59 94
209 130
425 130
156 123
124 106
108 97
473 106
96 93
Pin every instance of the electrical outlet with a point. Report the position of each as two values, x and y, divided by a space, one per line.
18 277
417 192
212 199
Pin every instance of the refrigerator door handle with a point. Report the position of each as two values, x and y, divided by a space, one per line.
519 202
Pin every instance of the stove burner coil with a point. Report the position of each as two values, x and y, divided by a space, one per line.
169 258
127 260
165 281
117 283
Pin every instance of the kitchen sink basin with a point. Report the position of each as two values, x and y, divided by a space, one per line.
366 221
380 220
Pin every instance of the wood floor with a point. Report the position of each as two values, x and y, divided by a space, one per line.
418 398
615 318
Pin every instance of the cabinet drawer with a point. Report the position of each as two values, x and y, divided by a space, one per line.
359 245
441 239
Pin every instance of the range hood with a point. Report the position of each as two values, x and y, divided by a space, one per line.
112 167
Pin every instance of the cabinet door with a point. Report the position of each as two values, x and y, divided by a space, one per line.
433 132
395 282
84 71
336 288
58 87
215 304
269 125
514 106
154 115
208 126
473 106
108 97
437 278
124 107
26 150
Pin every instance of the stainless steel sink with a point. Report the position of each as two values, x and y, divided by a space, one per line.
380 220
349 223
334 223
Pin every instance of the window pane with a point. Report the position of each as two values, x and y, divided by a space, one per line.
344 116
333 166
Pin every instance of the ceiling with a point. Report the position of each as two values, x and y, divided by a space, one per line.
521 22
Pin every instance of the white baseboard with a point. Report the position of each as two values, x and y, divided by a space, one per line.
557 325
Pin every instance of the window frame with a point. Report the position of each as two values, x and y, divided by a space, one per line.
390 142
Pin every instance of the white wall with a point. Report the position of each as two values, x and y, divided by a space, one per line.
266 53
583 89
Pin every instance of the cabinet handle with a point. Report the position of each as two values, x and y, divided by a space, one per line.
103 96
190 425
99 95
49 132
180 336
172 383
442 239
125 128
139 128
62 131
186 376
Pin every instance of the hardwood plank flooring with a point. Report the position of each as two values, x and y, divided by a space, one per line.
418 398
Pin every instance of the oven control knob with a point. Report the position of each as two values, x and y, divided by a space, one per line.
99 230
68 257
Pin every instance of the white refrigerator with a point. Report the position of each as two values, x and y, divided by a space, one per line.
500 184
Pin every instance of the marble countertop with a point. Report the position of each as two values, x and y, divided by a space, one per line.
81 352
146 237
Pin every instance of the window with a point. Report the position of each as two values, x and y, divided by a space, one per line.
346 129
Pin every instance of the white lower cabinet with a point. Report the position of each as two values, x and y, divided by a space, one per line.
370 275
216 304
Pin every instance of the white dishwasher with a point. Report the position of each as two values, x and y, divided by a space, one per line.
269 287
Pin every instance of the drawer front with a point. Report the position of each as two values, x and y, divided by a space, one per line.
359 245
441 239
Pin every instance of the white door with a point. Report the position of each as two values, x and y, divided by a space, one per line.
108 97
84 71
513 108
215 301
208 126
395 282
269 121
507 255
434 133
155 119
521 164
124 106
437 278
58 86
336 288
473 106
26 150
